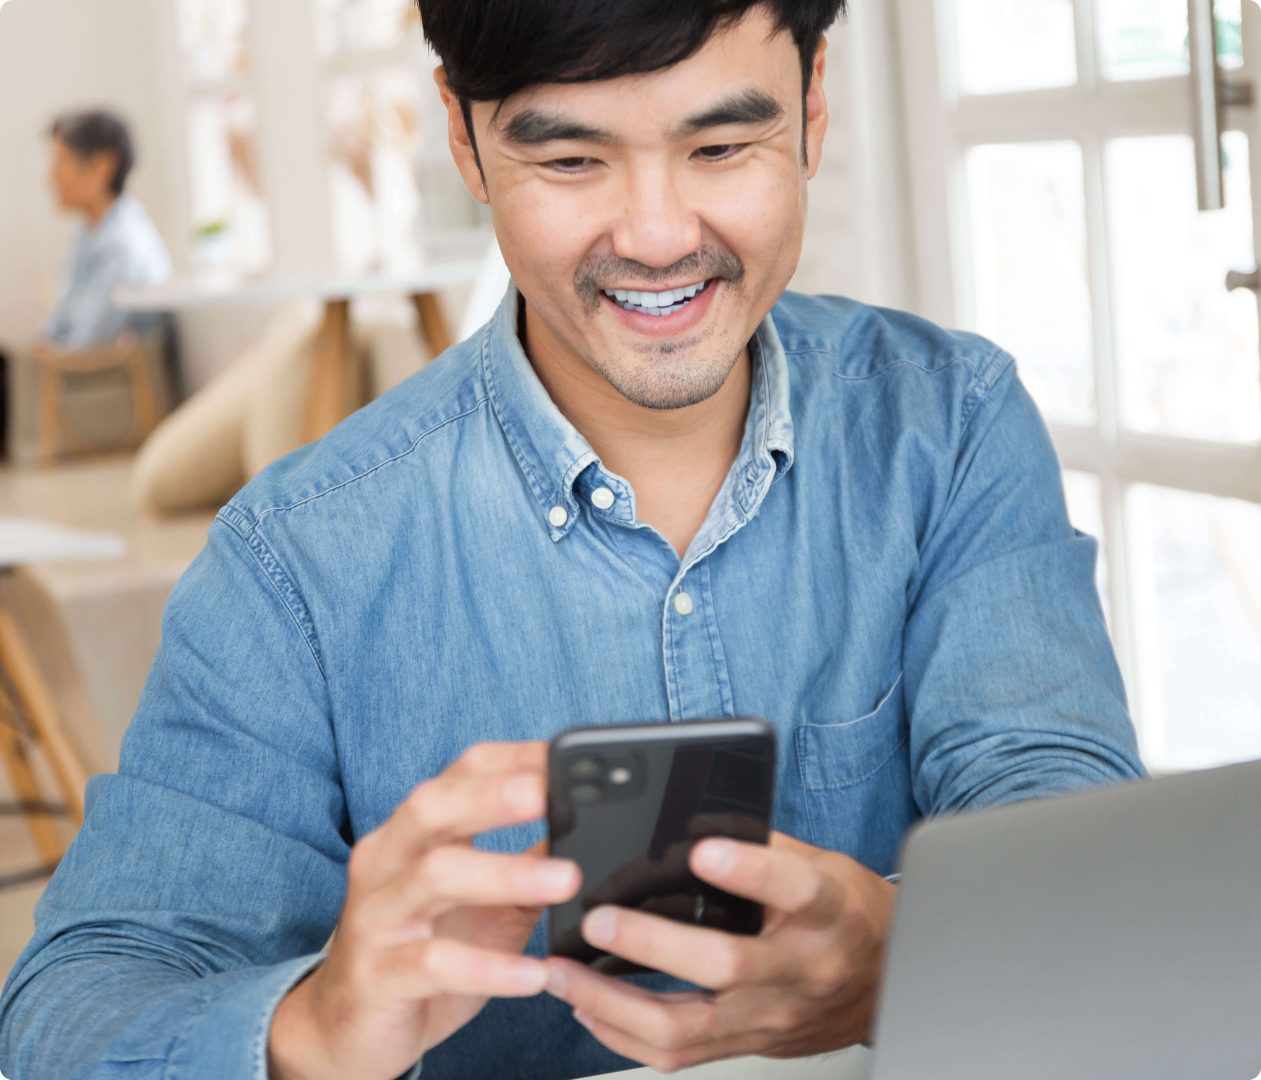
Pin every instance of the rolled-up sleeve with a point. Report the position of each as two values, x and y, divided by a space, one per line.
210 870
1014 689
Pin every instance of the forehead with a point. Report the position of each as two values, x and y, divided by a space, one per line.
749 55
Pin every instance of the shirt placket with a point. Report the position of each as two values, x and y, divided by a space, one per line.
697 681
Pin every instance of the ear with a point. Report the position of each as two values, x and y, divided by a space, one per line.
101 167
816 109
460 139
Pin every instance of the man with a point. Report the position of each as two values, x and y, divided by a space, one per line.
92 156
638 493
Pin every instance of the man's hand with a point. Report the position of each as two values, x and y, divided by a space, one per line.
805 985
431 927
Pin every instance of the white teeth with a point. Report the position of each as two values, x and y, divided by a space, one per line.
652 301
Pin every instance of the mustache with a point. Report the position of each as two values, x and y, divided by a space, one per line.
702 264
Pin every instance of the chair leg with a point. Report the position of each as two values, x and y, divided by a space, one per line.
37 703
47 839
49 413
144 399
433 323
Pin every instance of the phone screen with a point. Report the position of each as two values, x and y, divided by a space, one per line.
627 803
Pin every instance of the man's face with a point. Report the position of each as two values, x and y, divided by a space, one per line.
78 184
687 184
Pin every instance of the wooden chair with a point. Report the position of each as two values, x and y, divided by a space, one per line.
29 719
139 359
29 722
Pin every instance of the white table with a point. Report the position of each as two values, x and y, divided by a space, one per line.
852 1064
332 395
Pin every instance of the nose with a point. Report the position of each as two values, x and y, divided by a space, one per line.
657 226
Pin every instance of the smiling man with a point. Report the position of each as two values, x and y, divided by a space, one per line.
655 486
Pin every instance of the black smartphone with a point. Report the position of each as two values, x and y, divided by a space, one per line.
628 802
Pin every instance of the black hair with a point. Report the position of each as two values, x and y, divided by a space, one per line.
491 49
95 131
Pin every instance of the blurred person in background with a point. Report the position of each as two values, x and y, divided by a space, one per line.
92 155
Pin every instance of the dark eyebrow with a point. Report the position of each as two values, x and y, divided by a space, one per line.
536 127
749 106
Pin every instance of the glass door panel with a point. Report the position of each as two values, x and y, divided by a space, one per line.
1028 252
1187 348
1005 46
1197 572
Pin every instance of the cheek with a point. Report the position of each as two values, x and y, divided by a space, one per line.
761 221
545 232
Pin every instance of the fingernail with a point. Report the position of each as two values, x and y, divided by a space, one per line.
600 927
530 975
523 793
557 982
716 857
583 1019
554 876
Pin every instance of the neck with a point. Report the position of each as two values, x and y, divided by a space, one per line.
674 459
98 208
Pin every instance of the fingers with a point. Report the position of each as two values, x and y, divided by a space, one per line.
666 1031
445 966
491 785
713 959
782 877
449 877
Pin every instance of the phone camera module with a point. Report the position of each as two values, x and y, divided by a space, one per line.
585 770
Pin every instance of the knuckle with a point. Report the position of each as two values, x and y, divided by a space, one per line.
827 976
783 1019
429 873
422 807
670 1033
732 967
669 1062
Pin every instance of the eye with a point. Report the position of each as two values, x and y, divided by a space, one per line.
720 153
569 164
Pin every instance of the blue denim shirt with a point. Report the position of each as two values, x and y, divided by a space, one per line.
887 575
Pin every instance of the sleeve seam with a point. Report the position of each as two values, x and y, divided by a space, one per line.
281 584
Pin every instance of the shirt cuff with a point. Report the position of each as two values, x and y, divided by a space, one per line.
228 1035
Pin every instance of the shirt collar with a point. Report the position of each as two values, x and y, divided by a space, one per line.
553 455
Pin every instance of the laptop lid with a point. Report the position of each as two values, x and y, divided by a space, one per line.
1108 935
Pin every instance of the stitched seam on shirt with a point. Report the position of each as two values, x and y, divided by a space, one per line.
717 656
523 459
957 358
278 579
983 383
169 1069
379 465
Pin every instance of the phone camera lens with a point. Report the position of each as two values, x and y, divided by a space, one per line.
584 792
585 769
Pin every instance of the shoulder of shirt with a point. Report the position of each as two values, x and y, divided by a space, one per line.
857 341
399 423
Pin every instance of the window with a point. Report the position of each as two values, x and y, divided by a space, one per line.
1054 195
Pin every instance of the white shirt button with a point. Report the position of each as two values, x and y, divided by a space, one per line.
682 603
558 515
602 498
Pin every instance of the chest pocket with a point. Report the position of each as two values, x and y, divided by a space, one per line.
856 781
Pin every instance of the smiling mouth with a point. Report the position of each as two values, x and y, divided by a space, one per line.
659 304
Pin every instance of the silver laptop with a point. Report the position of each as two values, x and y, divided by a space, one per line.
1108 935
